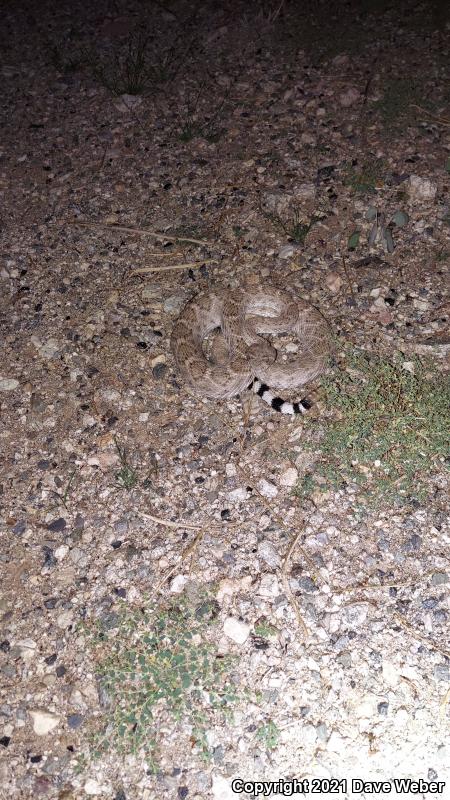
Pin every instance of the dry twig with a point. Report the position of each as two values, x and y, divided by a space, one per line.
141 231
187 265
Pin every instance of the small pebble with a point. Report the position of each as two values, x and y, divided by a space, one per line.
236 630
8 384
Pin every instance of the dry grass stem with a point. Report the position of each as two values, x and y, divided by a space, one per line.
141 231
428 642
287 588
347 275
168 523
188 551
187 265
440 120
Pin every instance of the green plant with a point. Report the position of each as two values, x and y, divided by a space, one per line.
159 661
62 498
64 58
199 118
141 64
396 105
268 734
293 226
126 476
265 629
365 177
391 433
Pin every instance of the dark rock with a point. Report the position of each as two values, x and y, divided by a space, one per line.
19 527
442 672
57 525
159 371
413 543
74 721
49 557
307 584
78 524
439 578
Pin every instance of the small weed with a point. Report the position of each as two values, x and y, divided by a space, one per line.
264 629
366 177
392 432
239 232
140 65
160 662
62 498
268 734
294 227
200 119
64 59
395 106
305 486
126 476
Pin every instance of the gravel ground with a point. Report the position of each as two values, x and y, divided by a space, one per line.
262 143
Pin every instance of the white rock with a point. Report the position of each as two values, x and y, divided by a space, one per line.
306 191
8 384
350 97
92 788
227 586
287 251
289 477
367 708
267 488
178 583
390 673
309 735
401 717
27 649
44 721
268 586
236 630
333 282
49 349
356 614
221 789
267 552
64 619
173 304
421 188
230 469
308 138
409 366
237 494
127 101
337 743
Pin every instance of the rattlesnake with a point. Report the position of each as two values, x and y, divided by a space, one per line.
239 356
